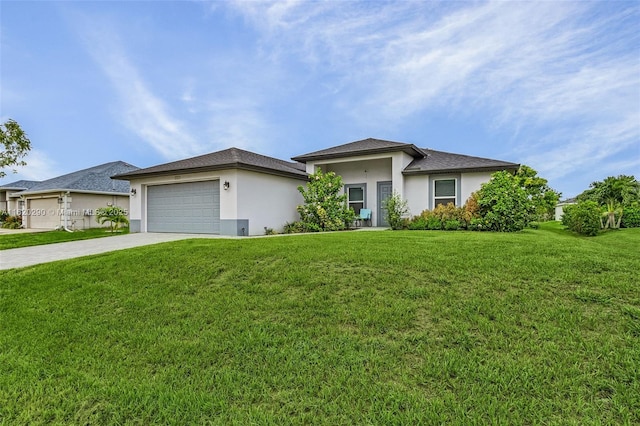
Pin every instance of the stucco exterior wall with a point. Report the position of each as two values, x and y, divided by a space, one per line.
416 190
82 208
470 183
267 200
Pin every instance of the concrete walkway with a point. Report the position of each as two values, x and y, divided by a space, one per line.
27 256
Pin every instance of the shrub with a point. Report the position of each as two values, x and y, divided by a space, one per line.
631 217
417 223
434 223
12 222
269 231
296 227
116 216
3 216
396 209
583 218
504 204
325 209
452 225
477 224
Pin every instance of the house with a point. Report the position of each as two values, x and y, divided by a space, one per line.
236 192
70 201
229 192
8 199
559 212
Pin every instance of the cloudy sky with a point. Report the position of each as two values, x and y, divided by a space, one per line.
554 85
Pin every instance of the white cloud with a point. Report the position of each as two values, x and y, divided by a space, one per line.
39 167
563 76
141 111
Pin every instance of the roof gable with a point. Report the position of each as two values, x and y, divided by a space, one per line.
361 147
93 179
228 158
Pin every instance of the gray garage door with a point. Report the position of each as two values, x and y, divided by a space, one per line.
192 207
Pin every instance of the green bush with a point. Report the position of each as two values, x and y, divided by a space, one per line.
477 224
631 217
12 222
452 225
418 223
116 216
325 207
434 223
296 227
396 209
3 216
504 204
583 218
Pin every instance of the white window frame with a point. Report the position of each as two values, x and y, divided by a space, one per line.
456 190
364 195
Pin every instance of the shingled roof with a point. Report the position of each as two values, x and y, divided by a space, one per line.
226 159
95 179
20 185
446 162
362 147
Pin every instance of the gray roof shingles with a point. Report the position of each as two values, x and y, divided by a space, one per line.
228 158
443 162
93 179
20 184
361 147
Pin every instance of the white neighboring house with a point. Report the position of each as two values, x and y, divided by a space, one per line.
561 205
71 200
9 201
237 192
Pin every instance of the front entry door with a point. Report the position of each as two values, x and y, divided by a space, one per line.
385 190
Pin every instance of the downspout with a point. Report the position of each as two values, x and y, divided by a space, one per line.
66 209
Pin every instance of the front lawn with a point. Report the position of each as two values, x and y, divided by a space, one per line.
17 240
415 327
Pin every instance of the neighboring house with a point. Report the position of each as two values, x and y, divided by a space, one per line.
71 200
8 197
236 192
561 205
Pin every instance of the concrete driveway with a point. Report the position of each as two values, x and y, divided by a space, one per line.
27 256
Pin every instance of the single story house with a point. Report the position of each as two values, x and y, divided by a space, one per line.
8 199
236 192
559 212
70 201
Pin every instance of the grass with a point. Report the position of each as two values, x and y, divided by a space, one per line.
538 327
17 240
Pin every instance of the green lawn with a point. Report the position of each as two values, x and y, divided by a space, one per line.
416 327
17 240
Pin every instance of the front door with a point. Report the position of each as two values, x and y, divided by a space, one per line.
385 190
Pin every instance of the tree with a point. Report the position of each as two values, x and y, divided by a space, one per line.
325 208
543 197
612 195
504 204
115 215
15 145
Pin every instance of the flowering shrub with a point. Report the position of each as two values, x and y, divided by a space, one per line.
325 207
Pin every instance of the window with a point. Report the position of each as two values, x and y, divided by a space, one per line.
356 197
444 192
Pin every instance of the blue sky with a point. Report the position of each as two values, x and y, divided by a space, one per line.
554 85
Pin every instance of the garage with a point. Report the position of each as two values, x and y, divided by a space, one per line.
42 213
192 207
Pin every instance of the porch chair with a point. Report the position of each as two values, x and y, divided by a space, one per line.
365 216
